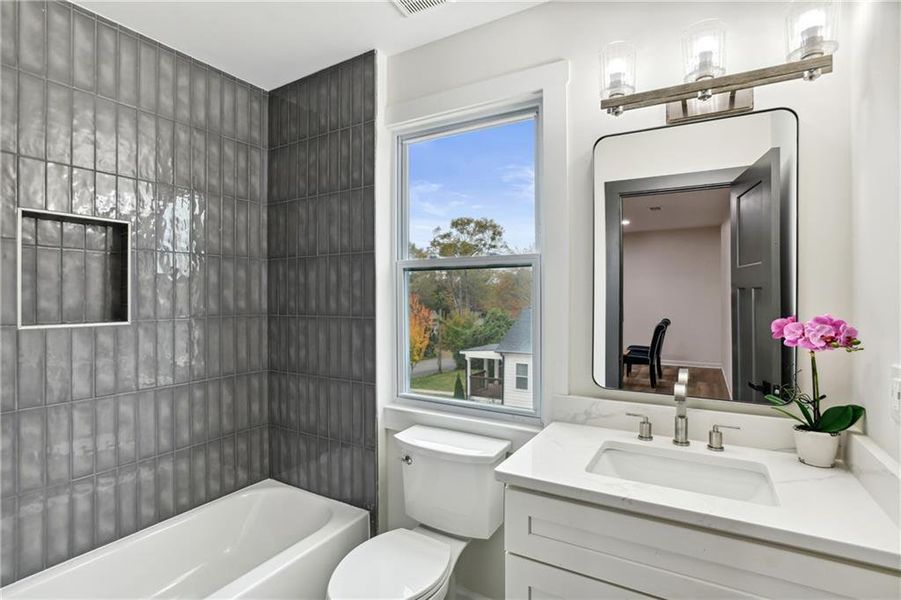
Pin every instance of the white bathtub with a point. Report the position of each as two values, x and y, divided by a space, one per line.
269 540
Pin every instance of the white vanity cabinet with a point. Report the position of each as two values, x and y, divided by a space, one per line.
569 549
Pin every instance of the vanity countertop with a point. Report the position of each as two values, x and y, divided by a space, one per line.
826 511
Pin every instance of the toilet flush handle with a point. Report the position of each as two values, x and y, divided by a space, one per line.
406 459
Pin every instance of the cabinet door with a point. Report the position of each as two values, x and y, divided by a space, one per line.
527 579
666 559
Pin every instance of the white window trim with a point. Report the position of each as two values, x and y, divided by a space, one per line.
549 81
498 115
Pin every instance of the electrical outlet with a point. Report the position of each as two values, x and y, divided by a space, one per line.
896 393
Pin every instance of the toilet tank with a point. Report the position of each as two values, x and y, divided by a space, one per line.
449 481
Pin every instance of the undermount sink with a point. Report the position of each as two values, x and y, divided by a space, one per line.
679 469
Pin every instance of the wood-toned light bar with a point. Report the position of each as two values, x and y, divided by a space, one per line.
719 85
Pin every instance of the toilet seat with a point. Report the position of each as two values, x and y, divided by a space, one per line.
398 564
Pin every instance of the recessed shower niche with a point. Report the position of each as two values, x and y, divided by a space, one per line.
73 270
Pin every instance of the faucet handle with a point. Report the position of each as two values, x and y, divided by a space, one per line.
644 427
715 437
680 388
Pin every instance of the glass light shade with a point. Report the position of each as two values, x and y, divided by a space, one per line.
810 30
617 69
704 50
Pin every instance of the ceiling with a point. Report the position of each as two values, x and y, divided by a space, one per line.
677 210
270 44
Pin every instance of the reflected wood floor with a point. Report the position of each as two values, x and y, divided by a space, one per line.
703 382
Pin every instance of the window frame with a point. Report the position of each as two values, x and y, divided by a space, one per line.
404 264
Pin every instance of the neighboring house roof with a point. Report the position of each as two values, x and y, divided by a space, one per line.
519 339
485 348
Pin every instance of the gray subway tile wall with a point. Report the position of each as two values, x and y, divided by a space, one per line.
107 430
321 291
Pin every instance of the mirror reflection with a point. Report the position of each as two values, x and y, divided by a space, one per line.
695 256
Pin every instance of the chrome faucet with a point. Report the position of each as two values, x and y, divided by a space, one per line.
680 391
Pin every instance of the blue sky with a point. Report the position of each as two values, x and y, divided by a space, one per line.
483 173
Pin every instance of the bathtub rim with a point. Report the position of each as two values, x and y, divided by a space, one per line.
344 518
341 511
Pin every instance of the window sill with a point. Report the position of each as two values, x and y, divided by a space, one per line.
405 413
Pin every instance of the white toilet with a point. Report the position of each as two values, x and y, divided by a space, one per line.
449 487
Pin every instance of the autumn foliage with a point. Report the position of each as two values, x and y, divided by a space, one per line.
420 329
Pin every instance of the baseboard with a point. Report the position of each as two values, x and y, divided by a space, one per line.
466 594
691 363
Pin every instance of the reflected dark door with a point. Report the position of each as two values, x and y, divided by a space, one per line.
755 277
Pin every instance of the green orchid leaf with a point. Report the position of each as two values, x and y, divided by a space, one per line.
793 416
858 411
773 399
806 412
839 418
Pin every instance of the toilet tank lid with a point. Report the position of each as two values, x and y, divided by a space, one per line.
452 445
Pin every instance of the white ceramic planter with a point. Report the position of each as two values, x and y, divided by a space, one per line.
816 448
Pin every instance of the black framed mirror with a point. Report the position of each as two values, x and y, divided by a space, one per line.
695 253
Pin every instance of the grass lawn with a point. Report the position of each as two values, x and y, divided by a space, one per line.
438 382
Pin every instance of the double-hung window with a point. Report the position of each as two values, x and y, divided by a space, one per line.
468 262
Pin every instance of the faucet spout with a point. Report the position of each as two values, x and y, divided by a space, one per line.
680 426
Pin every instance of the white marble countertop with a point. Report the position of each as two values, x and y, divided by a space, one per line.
820 510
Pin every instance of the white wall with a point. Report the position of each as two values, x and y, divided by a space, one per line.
874 226
675 273
512 395
577 32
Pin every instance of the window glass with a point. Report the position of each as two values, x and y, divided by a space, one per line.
473 193
468 259
464 325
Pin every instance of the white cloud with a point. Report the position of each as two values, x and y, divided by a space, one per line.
520 180
418 188
433 199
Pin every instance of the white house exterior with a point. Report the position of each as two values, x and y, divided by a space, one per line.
502 373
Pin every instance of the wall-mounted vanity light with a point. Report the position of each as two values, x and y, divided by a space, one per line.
810 32
708 92
704 50
617 70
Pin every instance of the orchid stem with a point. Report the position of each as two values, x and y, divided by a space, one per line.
816 387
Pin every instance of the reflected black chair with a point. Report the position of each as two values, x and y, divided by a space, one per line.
648 355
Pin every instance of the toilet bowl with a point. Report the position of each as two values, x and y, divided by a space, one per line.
402 564
450 489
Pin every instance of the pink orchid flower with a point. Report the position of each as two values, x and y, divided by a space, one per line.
846 336
823 332
778 326
793 333
817 336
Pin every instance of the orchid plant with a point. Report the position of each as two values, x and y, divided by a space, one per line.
820 334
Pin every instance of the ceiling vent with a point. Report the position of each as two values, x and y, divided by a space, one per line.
413 7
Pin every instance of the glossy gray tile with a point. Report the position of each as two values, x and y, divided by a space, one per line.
32 34
32 115
107 46
110 429
320 282
59 124
128 69
58 524
84 50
